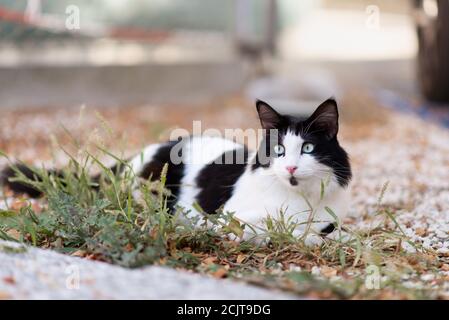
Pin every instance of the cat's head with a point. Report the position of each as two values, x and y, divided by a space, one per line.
297 150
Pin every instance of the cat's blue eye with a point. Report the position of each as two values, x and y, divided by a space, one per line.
307 147
279 150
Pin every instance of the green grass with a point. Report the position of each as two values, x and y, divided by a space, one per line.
111 226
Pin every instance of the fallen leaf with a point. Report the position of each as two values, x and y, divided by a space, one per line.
209 261
79 253
220 273
420 232
328 271
9 280
445 267
13 233
240 258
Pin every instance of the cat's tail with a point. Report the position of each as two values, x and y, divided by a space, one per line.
9 175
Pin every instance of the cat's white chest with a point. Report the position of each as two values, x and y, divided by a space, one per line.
257 196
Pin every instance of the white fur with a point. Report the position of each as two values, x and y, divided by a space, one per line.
308 167
138 162
199 152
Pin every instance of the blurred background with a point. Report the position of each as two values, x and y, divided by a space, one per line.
174 60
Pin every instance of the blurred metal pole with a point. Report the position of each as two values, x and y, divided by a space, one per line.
271 26
243 20
248 42
33 10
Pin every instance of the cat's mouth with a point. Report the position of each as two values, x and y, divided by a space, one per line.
293 181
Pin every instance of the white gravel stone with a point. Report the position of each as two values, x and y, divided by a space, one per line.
413 157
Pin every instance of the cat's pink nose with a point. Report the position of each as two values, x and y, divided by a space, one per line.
291 169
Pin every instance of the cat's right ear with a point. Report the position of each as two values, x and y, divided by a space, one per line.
269 118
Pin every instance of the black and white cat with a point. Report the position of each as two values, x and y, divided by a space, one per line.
299 168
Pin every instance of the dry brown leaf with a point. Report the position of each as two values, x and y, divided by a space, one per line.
328 271
9 280
129 247
420 232
220 273
209 260
95 257
13 233
79 253
445 267
240 258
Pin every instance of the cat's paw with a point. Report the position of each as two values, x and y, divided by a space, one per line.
312 240
340 236
318 240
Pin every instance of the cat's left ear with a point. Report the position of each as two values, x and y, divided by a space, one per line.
269 118
325 119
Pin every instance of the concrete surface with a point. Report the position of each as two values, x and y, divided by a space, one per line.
30 273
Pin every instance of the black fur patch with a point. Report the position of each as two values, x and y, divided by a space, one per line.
175 172
217 180
339 163
328 229
265 154
10 173
116 169
332 155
